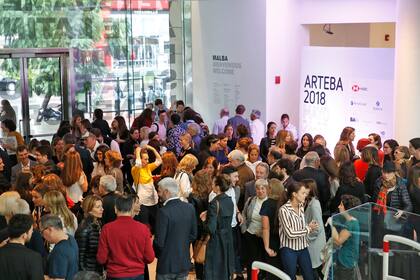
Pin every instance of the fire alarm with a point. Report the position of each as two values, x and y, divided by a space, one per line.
387 37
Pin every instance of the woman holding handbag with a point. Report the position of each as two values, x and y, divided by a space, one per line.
219 264
201 187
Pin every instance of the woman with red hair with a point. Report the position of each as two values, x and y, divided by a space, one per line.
73 177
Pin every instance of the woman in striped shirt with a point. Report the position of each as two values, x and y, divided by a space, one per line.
293 233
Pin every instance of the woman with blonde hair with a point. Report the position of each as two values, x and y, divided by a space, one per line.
73 177
113 162
7 199
184 174
55 204
87 235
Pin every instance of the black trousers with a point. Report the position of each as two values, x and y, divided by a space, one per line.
147 216
253 251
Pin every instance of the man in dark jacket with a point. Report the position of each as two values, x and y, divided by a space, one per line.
17 261
176 230
261 172
100 123
107 187
312 171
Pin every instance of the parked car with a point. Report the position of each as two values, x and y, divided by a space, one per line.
7 84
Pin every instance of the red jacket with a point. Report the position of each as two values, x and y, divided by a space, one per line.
361 168
125 247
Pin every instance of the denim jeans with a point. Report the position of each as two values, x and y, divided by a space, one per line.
173 276
138 277
291 258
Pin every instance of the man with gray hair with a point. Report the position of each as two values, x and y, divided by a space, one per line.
237 160
194 129
312 171
63 260
107 187
261 172
176 229
219 125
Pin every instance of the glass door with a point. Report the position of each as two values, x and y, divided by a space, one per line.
34 89
44 94
10 91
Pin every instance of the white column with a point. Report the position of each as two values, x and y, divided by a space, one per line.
407 71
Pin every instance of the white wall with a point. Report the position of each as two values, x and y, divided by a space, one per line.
347 11
407 71
285 38
236 29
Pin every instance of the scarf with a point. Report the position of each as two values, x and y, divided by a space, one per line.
382 195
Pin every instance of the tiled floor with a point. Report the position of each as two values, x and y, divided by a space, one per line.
191 276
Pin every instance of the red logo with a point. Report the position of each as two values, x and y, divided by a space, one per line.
355 88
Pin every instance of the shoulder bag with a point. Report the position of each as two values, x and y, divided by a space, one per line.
199 251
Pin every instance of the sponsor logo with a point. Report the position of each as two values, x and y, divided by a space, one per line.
378 106
357 103
356 88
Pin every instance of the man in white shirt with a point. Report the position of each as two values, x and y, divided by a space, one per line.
286 125
91 144
111 143
257 126
160 126
219 125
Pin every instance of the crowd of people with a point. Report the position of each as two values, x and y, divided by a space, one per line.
103 201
